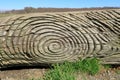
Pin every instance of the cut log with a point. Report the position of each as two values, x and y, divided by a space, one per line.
46 38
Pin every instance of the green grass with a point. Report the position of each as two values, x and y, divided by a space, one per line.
67 70
64 71
90 66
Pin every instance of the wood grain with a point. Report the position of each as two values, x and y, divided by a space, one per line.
36 39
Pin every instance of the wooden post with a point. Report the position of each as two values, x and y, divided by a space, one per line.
36 39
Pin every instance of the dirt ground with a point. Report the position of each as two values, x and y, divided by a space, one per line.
28 74
23 74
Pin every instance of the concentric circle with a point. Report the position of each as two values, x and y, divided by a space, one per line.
48 40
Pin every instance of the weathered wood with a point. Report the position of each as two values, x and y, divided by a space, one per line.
36 39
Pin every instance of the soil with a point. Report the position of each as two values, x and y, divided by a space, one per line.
22 74
29 74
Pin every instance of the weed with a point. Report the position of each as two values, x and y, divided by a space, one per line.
59 75
66 70
60 72
89 65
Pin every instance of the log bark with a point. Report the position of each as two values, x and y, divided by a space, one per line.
36 39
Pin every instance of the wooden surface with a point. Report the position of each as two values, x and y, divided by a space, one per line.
36 39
